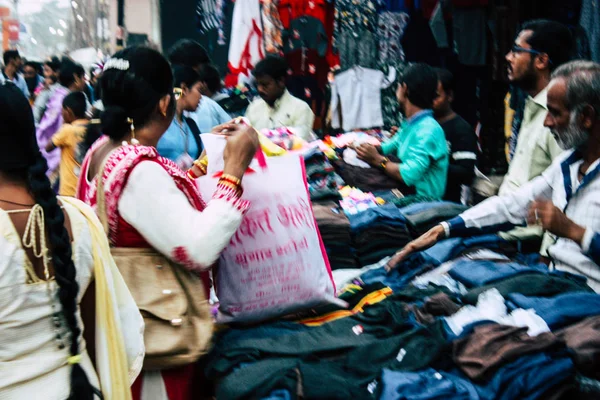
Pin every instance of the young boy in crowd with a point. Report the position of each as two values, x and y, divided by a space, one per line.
460 137
67 139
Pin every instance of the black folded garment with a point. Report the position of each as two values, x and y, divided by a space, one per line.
423 221
370 179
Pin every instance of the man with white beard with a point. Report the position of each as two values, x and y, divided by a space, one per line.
565 199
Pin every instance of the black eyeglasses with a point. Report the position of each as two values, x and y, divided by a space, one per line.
518 49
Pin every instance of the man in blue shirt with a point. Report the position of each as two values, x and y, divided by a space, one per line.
420 144
12 66
209 113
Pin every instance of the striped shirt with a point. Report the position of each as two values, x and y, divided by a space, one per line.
579 200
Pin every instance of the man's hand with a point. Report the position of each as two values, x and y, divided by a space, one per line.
369 154
553 220
421 243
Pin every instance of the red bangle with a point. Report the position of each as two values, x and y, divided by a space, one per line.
191 175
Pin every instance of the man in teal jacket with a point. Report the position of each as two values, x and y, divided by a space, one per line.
420 144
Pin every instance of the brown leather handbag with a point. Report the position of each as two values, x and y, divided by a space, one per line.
171 299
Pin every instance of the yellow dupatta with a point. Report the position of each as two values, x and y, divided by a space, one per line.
119 325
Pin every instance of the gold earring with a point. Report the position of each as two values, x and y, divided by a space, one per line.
164 114
134 141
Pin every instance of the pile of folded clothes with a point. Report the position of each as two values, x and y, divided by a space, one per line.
423 216
378 233
472 323
323 182
334 227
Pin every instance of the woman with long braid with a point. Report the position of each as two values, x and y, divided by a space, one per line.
51 259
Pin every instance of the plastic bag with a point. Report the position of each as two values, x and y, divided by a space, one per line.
276 263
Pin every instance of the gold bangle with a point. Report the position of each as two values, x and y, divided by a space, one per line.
228 184
202 161
232 179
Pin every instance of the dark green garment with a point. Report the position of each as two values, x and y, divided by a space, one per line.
533 285
337 360
409 200
307 32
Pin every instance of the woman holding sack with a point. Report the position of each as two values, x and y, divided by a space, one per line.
163 233
69 327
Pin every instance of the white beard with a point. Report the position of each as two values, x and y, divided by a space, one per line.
573 136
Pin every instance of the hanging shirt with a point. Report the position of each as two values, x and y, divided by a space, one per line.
356 14
307 62
178 144
306 32
272 26
536 147
421 147
357 94
357 48
292 9
246 46
390 31
561 185
322 10
288 111
590 22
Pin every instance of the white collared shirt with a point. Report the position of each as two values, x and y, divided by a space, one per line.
536 147
288 111
356 95
580 200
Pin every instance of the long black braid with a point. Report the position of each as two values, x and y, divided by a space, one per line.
64 269
20 158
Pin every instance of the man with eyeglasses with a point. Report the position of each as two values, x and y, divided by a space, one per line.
540 47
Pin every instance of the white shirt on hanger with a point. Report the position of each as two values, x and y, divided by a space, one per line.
357 94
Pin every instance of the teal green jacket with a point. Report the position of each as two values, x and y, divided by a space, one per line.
421 147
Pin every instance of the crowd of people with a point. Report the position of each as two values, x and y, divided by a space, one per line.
86 166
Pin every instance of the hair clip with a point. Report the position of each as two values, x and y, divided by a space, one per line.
116 63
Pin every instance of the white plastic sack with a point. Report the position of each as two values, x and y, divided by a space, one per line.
276 262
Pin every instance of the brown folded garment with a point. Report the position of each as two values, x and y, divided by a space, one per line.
439 305
583 339
490 347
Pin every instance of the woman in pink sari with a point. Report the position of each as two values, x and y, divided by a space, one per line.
150 202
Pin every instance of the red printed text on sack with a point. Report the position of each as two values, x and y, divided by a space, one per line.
295 215
252 224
